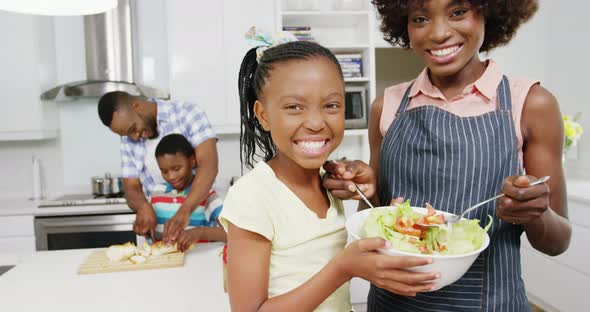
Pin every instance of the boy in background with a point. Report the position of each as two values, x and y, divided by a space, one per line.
176 160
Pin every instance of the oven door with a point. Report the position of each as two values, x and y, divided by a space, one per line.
74 232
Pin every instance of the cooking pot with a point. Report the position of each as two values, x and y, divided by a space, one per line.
106 185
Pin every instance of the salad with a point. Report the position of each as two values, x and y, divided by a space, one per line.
405 229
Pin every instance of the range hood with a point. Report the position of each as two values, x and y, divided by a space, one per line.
109 59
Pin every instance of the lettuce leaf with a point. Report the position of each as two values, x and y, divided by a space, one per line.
462 237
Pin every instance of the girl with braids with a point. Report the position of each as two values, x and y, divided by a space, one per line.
286 234
462 132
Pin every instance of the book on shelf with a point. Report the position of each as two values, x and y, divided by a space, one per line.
351 64
349 56
302 33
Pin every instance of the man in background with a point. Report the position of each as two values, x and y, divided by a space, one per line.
141 123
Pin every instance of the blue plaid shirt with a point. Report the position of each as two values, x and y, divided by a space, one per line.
173 117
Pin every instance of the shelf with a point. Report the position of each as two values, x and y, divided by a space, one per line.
346 48
313 19
356 79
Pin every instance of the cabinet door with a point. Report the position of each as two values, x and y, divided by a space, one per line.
195 38
27 60
206 46
239 16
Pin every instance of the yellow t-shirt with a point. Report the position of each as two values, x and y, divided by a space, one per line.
302 243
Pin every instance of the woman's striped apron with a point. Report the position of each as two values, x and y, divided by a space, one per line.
429 155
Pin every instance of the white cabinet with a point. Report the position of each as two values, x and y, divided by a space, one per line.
561 283
17 238
27 60
205 48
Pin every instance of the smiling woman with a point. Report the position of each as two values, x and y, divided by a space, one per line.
431 141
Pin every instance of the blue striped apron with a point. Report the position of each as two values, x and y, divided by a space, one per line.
431 155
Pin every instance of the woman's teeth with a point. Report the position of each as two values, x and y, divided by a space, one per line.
311 145
444 52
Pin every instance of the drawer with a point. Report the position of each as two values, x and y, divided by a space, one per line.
16 226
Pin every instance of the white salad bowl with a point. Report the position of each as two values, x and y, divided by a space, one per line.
450 267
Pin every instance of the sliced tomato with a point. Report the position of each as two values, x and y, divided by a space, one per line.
404 222
408 230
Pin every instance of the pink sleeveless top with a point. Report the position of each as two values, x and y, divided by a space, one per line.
476 99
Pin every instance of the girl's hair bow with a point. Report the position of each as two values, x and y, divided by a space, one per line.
263 40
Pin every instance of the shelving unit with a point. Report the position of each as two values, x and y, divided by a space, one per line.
351 27
344 27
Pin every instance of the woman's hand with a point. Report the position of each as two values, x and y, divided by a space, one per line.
340 175
522 203
175 226
361 259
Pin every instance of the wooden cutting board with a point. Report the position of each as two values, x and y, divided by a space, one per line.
97 262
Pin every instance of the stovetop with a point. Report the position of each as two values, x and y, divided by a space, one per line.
83 200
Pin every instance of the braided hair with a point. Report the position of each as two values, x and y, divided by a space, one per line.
253 74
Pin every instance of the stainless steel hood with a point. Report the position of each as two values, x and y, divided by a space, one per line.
109 59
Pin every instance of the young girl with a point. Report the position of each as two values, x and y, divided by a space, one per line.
462 132
285 232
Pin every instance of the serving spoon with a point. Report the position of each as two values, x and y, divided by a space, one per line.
358 189
452 218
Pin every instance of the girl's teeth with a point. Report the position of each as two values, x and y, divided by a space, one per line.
311 145
444 52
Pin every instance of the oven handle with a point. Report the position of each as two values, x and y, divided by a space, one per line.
87 221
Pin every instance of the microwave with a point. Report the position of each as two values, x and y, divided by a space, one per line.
356 109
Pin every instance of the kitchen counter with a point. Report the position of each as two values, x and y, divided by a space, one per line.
17 206
578 190
25 206
48 281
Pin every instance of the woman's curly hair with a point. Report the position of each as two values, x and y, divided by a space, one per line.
503 17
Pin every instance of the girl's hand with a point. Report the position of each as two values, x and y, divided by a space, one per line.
361 259
187 238
522 203
340 175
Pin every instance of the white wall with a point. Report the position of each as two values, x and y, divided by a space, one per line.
552 48
568 65
16 167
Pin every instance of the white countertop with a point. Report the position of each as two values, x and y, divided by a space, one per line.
48 281
25 206
15 206
578 190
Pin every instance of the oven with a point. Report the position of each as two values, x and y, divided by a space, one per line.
86 231
83 221
356 110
